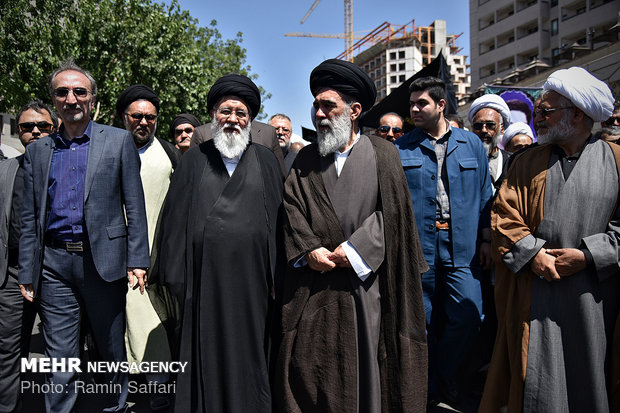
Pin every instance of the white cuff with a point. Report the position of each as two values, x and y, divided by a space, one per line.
357 262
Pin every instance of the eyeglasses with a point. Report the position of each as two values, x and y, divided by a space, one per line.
139 116
544 112
187 130
480 125
227 112
78 92
386 129
285 130
614 120
42 126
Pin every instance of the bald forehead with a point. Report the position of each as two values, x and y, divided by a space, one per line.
390 120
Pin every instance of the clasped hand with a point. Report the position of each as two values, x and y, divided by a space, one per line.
322 259
553 264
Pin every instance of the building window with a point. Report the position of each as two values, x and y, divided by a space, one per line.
401 54
392 79
401 66
393 67
554 27
393 56
401 78
553 3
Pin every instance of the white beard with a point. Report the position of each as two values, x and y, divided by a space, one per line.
557 134
337 136
230 144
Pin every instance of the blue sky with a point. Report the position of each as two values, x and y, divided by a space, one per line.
283 64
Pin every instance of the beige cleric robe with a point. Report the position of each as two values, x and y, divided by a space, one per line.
518 212
145 336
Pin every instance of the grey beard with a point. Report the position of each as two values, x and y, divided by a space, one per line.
232 144
611 130
337 136
556 134
489 147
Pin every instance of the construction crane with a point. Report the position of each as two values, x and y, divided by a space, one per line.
324 35
348 27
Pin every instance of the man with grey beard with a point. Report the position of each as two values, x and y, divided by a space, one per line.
353 336
216 255
556 238
489 116
610 131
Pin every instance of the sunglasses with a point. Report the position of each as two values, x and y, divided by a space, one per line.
612 121
42 126
386 129
139 116
78 92
544 112
480 125
180 131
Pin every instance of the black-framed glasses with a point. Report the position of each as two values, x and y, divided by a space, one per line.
480 125
386 129
42 126
139 116
78 92
544 112
187 130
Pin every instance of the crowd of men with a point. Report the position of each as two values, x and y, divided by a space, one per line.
361 273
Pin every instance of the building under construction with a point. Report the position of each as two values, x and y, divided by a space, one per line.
393 53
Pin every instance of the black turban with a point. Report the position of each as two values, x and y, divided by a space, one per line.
346 78
184 118
133 93
239 86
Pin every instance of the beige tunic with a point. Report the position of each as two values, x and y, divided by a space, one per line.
145 337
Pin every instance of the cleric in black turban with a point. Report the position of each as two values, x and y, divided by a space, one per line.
181 119
133 93
239 86
346 78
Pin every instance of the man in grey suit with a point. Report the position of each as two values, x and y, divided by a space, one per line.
83 229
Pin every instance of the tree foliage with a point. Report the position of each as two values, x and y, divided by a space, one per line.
121 42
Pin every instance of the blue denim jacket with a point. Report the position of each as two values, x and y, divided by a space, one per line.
469 190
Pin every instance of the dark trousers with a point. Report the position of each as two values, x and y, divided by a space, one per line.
16 321
453 305
70 287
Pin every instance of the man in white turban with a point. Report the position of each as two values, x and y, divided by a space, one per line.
517 136
489 115
556 244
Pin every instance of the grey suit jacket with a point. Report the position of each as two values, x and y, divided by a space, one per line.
112 189
260 132
8 171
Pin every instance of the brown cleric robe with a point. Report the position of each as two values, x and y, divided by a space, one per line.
534 316
321 358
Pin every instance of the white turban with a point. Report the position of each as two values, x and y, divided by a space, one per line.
517 128
586 92
490 101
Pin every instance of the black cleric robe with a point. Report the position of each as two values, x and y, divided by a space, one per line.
215 262
320 361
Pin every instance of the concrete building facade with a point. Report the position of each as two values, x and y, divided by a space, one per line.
511 40
391 62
